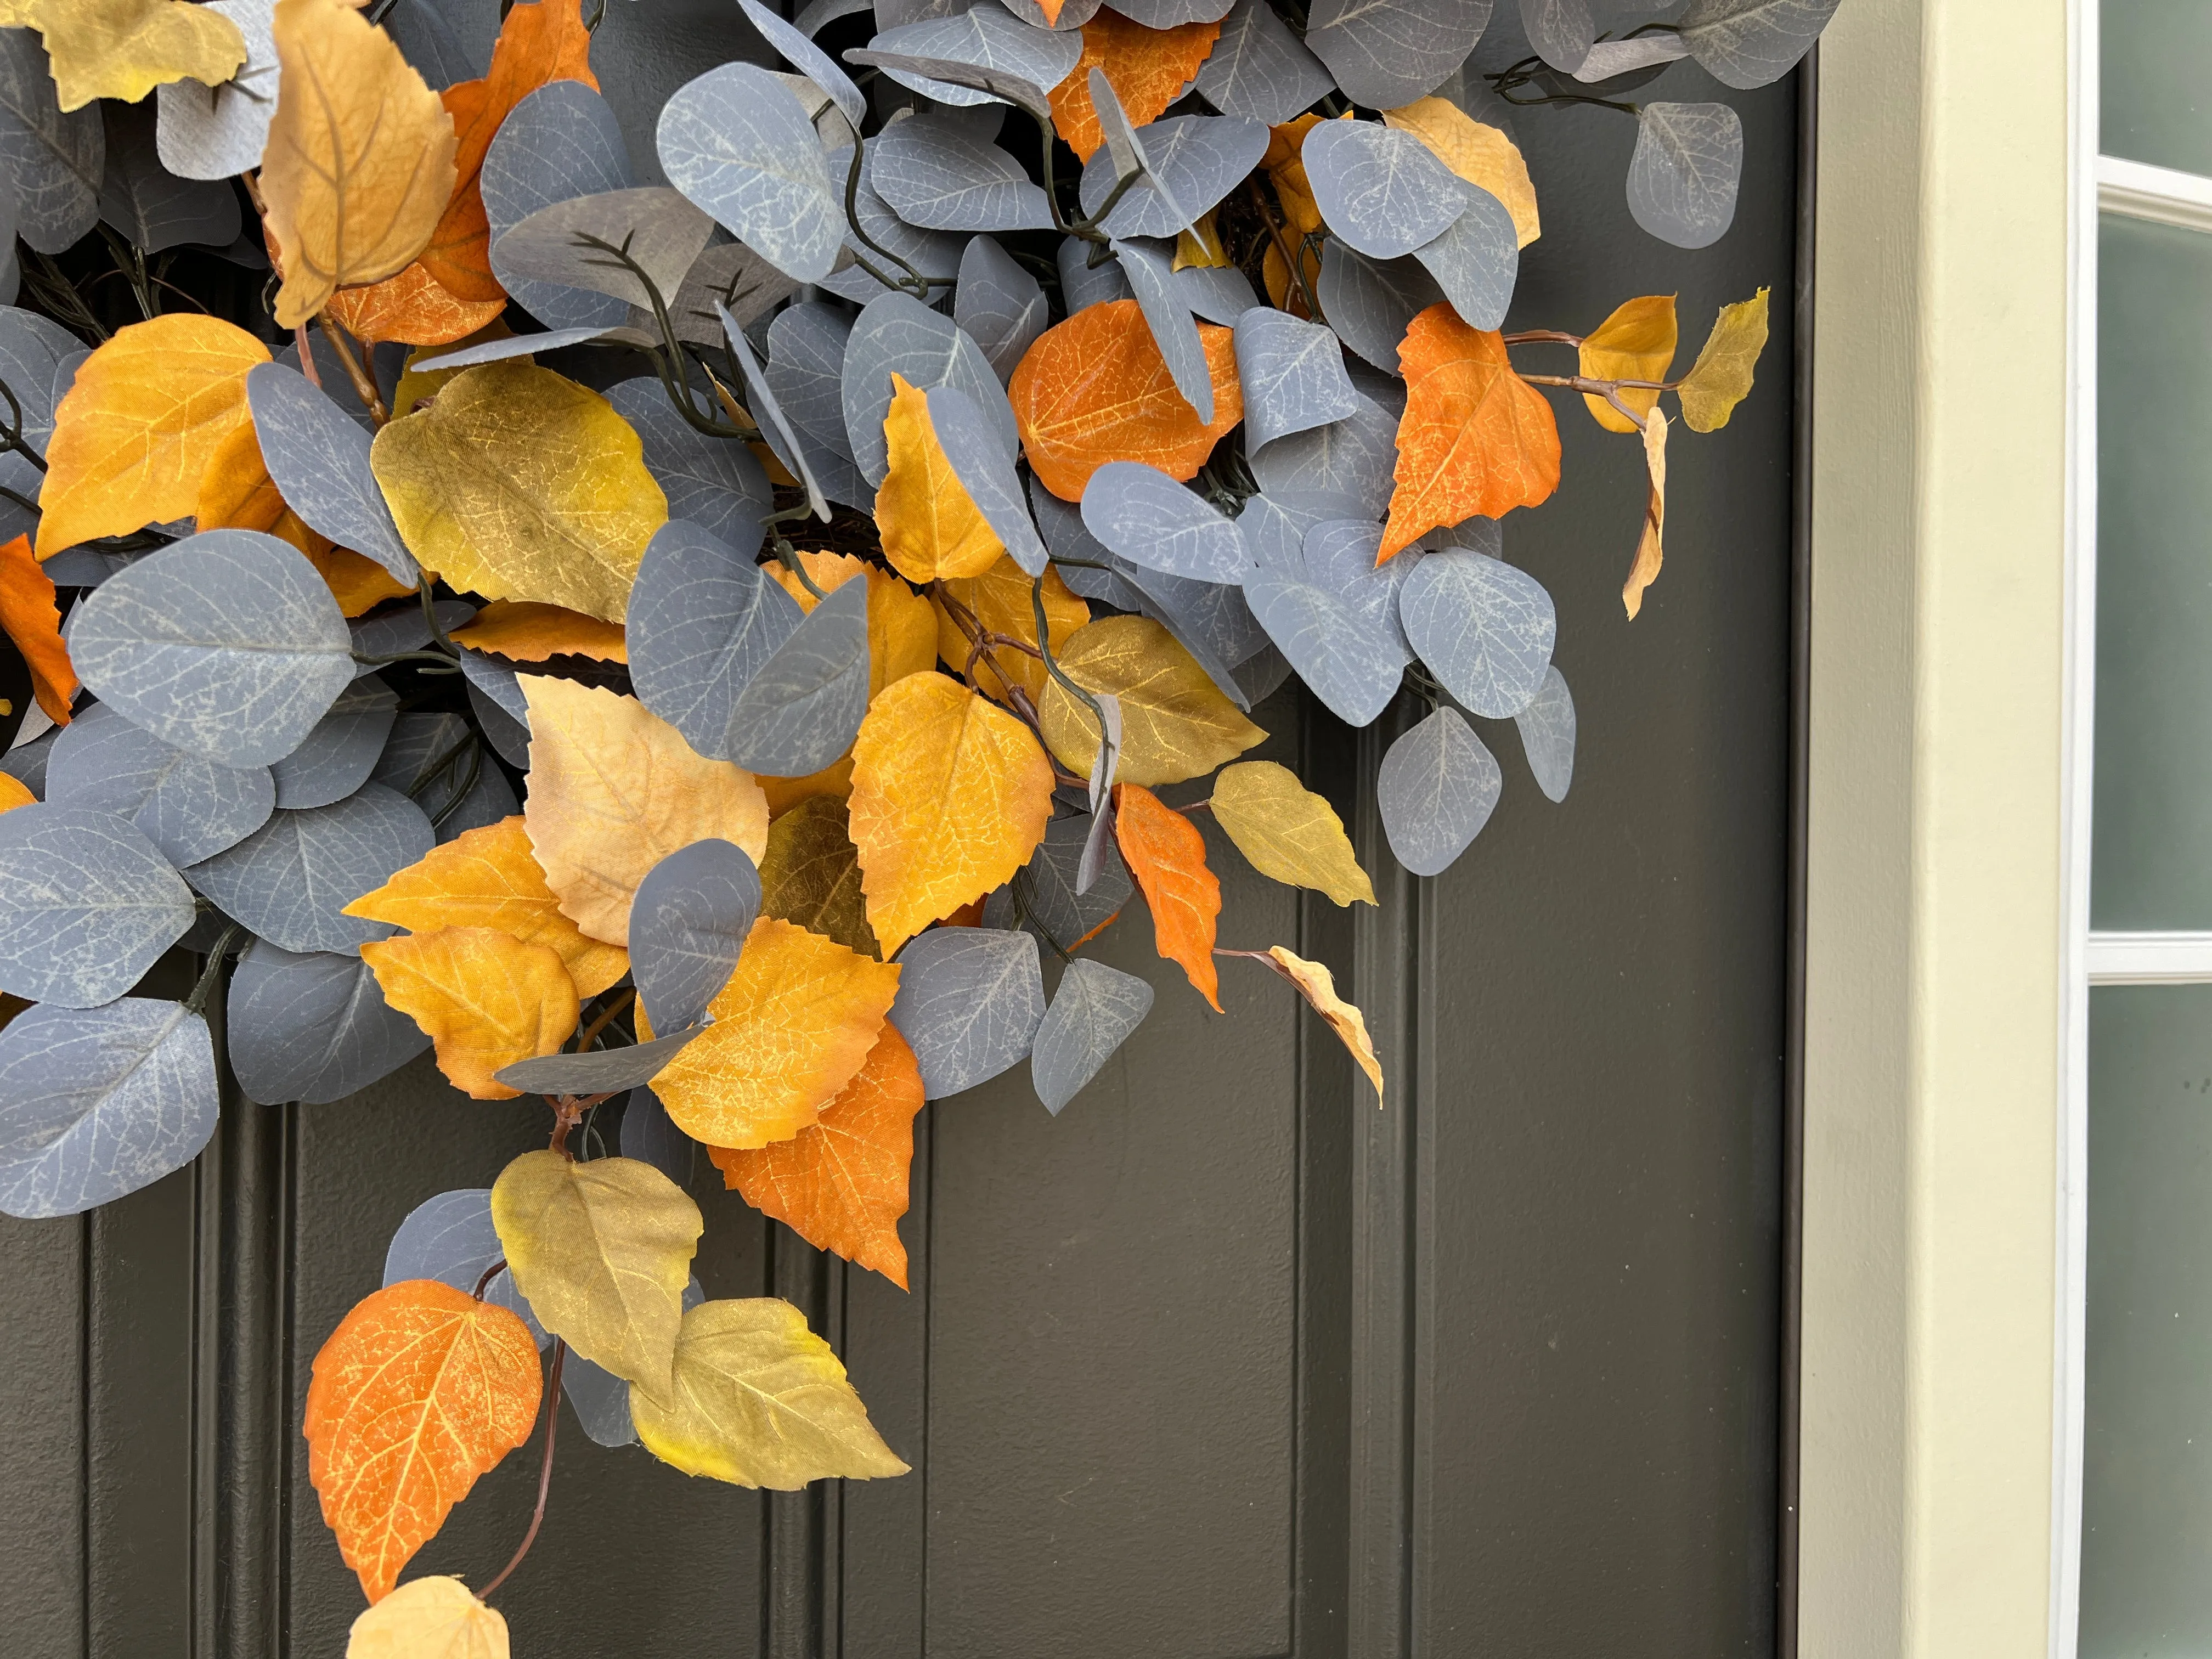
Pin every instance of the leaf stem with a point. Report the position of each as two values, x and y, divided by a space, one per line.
605 1017
544 1471
364 385
204 986
486 1276
1296 267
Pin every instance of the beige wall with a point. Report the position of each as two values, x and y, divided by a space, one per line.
1934 905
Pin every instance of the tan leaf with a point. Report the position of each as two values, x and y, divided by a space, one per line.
123 49
1175 724
1720 378
429 1618
1318 987
1288 832
484 998
1481 155
1637 343
1648 553
811 874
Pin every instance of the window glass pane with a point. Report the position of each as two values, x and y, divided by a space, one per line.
2146 1463
2152 836
2158 82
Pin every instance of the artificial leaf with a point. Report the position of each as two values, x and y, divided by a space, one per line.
1475 439
1175 724
970 1000
356 581
901 631
1720 378
792 1027
360 160
1288 832
811 874
1259 69
1481 155
14 793
1167 855
1318 987
1148 519
420 1389
123 49
1382 191
1283 163
688 926
1095 389
518 484
1000 602
412 307
432 1618
950 794
189 807
1384 53
487 999
738 143
31 618
1749 43
841 1183
237 492
1147 68
1548 735
1435 788
539 40
522 630
489 877
318 456
1485 628
930 526
1092 1014
1684 175
760 1400
147 412
311 1027
1191 162
1648 553
614 790
603 1251
1636 343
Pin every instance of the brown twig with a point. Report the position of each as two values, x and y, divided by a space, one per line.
1297 268
489 1273
364 385
605 1015
544 1471
306 357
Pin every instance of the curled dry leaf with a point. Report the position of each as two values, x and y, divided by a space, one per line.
1176 723
489 877
148 409
811 874
420 1389
1318 987
929 525
999 602
485 1000
1287 831
1147 68
1720 378
1648 553
1481 155
123 49
1637 343
1095 389
433 1618
840 1184
950 795
792 1027
522 630
30 617
1475 440
360 160
1167 855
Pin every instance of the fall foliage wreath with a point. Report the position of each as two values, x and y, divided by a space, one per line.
1017 393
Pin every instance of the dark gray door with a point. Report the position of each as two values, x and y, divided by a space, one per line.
1219 1365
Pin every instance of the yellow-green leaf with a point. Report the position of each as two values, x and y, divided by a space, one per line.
429 1618
602 1251
1637 343
1287 831
811 874
518 484
760 1400
123 49
1175 724
1720 378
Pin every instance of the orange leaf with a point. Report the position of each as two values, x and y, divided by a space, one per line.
1147 68
1095 389
842 1185
998 601
1167 855
356 580
541 40
34 620
420 1389
14 793
1475 439
414 306
237 492
484 998
523 630
902 633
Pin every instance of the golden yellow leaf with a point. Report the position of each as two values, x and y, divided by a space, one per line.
486 1000
1481 155
950 795
811 874
602 1252
902 633
520 484
489 877
429 1618
417 386
1288 832
930 527
360 160
1720 378
522 630
614 789
123 49
1637 343
834 781
760 1400
1318 987
14 793
999 602
1285 168
148 409
1201 246
1175 724
1648 553
792 1027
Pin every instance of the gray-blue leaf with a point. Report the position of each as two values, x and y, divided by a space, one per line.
738 142
188 806
603 1070
658 231
1083 284
153 208
1350 663
1385 53
1167 14
1749 43
745 284
1220 293
938 176
87 905
523 345
404 630
803 706
1066 538
767 415
494 692
1356 458
933 253
1051 906
715 483
217 133
805 370
425 759
970 1000
688 923
1199 159
318 459
1435 788
54 161
1260 675
1292 374
985 471
1339 555
559 142
1381 189
450 1238
291 880
1150 519
227 645
1371 303
101 1103
1258 68
1485 628
986 37
1001 305
650 1135
312 1028
1092 1014
1682 180
703 621
1561 31
1548 735
809 59
342 750
1275 525
1174 330
1477 260
897 334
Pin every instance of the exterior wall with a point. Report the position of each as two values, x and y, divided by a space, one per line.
1934 900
